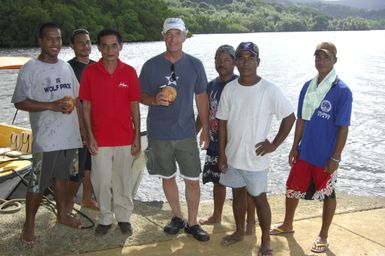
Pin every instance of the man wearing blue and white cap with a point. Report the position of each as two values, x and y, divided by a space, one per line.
224 64
245 112
171 124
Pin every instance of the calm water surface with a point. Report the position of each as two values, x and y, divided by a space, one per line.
287 60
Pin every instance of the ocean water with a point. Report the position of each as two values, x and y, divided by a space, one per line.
287 60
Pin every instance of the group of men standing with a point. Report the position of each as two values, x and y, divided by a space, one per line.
234 119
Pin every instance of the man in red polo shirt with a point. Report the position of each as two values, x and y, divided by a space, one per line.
110 93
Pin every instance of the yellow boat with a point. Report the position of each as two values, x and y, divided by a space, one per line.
13 155
12 167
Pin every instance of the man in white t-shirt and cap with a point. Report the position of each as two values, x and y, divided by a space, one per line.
245 112
171 124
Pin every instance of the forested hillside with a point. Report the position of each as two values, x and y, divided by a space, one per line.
137 20
226 16
361 4
341 9
141 20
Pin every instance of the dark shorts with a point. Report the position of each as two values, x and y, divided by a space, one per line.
307 181
49 165
162 156
211 173
84 163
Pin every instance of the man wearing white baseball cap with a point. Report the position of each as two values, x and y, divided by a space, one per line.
171 124
174 23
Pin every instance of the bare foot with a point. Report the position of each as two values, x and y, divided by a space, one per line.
209 221
27 236
69 206
231 239
90 204
70 221
265 252
250 229
265 249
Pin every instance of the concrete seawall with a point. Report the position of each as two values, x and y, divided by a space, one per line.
357 229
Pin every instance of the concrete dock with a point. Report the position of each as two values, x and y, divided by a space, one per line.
357 229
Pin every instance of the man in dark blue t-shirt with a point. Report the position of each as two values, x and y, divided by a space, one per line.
81 44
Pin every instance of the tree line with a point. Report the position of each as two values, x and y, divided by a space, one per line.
141 20
137 20
231 16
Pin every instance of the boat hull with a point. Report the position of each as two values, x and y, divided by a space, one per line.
12 169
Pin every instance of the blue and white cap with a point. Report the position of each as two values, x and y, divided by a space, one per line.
247 46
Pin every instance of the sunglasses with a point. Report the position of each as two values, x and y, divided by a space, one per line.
173 76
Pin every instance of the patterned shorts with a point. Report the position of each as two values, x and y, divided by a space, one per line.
82 162
211 173
307 181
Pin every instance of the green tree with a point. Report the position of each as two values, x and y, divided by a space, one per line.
141 20
355 23
16 33
320 23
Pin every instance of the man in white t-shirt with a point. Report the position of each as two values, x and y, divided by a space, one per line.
245 112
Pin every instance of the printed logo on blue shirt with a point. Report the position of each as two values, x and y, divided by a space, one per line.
326 106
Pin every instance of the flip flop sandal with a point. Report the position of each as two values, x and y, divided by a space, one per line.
319 247
278 231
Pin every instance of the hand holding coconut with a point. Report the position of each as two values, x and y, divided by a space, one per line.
67 104
166 96
170 93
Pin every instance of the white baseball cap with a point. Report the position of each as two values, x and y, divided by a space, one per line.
173 23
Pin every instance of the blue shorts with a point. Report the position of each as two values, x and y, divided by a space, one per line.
254 181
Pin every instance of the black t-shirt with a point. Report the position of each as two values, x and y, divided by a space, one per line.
78 67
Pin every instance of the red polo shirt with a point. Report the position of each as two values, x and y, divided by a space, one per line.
110 96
